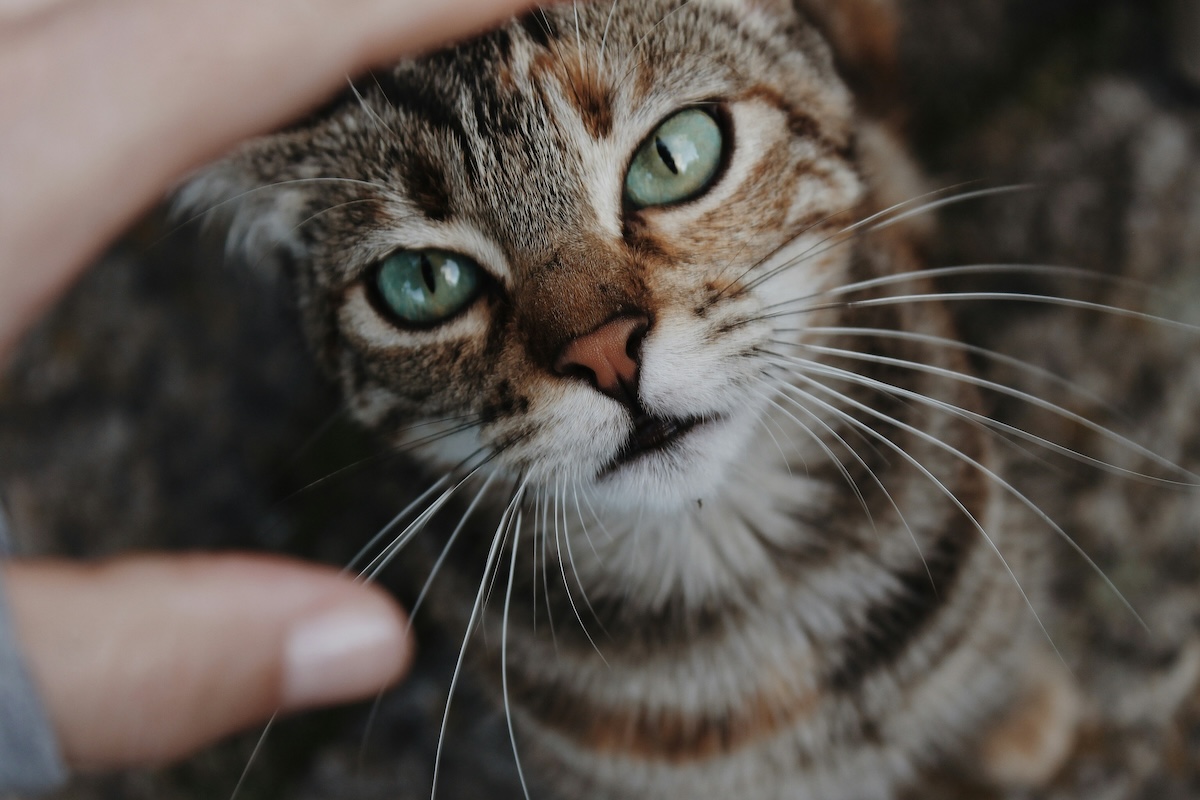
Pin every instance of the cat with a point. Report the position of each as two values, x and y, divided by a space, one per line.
640 283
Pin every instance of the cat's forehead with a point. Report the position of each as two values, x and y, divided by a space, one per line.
525 131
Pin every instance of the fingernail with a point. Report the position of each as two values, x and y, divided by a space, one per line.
342 655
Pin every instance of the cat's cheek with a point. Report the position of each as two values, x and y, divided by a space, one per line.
688 370
570 432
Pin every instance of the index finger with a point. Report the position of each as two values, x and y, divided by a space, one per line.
105 104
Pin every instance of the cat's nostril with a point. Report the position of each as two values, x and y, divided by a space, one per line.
609 356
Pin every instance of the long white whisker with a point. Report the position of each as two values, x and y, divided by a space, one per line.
1033 400
381 561
258 746
955 344
546 569
604 37
369 726
874 478
562 566
458 529
837 462
476 610
786 462
512 736
1041 270
1022 297
941 487
383 534
378 120
995 478
877 221
579 516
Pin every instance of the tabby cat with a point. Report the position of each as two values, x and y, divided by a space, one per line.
638 281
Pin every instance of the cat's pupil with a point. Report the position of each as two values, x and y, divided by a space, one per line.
664 153
427 274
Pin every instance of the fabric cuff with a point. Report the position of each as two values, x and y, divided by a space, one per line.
30 761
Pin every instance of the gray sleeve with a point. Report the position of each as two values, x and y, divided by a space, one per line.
29 757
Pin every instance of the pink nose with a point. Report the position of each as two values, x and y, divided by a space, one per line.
608 356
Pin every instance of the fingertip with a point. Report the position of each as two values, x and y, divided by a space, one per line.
344 653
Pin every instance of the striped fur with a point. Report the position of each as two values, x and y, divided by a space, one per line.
762 610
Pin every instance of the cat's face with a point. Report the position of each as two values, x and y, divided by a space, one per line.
560 240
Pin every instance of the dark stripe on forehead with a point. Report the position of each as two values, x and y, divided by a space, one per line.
431 99
539 28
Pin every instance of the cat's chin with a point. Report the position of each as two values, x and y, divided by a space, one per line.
687 466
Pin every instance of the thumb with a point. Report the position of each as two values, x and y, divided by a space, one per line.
142 660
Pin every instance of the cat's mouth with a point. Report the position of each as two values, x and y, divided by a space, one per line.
650 434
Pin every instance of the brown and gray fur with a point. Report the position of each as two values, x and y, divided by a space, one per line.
820 590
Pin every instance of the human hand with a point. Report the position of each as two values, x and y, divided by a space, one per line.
145 659
105 105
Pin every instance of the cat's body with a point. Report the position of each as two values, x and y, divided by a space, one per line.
730 555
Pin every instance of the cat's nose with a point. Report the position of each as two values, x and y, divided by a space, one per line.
608 356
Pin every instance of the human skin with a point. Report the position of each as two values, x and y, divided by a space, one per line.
106 105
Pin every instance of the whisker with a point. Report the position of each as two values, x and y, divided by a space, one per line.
371 545
369 726
937 483
983 352
378 120
1023 297
846 474
579 516
607 26
563 569
391 453
258 746
389 553
1034 400
458 529
587 501
787 463
386 190
991 475
512 573
1040 270
874 222
837 462
578 35
476 610
318 434
546 569
537 501
381 560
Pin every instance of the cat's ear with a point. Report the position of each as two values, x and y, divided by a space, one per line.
864 35
259 217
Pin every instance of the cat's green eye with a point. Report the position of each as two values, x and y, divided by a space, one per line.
677 162
424 287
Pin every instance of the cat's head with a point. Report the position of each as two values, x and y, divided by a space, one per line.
564 239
